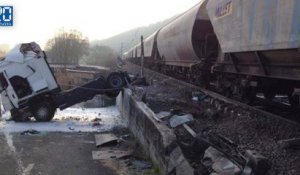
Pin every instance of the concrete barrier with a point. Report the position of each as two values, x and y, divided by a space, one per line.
154 136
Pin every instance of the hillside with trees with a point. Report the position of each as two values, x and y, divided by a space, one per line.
100 55
72 47
124 41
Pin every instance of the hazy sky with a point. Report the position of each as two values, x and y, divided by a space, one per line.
38 20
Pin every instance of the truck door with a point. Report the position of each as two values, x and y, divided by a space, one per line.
11 94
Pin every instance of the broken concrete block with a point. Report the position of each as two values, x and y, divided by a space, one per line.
178 120
257 162
217 161
223 165
163 114
110 154
176 157
102 139
141 165
184 168
178 164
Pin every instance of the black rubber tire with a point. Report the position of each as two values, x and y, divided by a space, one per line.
17 116
249 95
43 111
115 80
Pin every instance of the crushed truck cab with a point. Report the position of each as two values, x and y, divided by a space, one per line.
29 87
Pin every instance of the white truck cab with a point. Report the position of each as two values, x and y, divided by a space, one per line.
29 88
24 73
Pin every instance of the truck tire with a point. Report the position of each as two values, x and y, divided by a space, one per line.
115 80
43 112
18 117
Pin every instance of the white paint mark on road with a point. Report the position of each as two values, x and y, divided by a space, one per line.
10 143
28 169
69 120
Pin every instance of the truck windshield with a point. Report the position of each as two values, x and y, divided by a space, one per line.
3 82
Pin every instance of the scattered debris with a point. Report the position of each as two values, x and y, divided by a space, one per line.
198 96
30 132
228 127
96 124
104 139
71 128
141 165
217 161
178 120
256 163
110 154
28 169
290 143
210 113
96 119
163 114
190 130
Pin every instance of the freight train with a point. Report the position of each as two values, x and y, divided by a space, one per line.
237 47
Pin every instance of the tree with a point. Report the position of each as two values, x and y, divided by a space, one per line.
2 54
67 47
3 50
102 56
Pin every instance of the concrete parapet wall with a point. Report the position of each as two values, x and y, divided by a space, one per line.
154 136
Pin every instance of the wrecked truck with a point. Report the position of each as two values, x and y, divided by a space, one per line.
29 88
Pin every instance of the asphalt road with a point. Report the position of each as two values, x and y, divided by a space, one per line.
50 154
61 147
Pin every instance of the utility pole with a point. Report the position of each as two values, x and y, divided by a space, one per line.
142 56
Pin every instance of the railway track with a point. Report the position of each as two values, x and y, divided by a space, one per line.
215 97
247 127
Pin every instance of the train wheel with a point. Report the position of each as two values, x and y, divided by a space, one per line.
294 101
227 92
249 94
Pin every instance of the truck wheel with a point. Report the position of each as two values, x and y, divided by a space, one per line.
115 80
43 112
18 117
